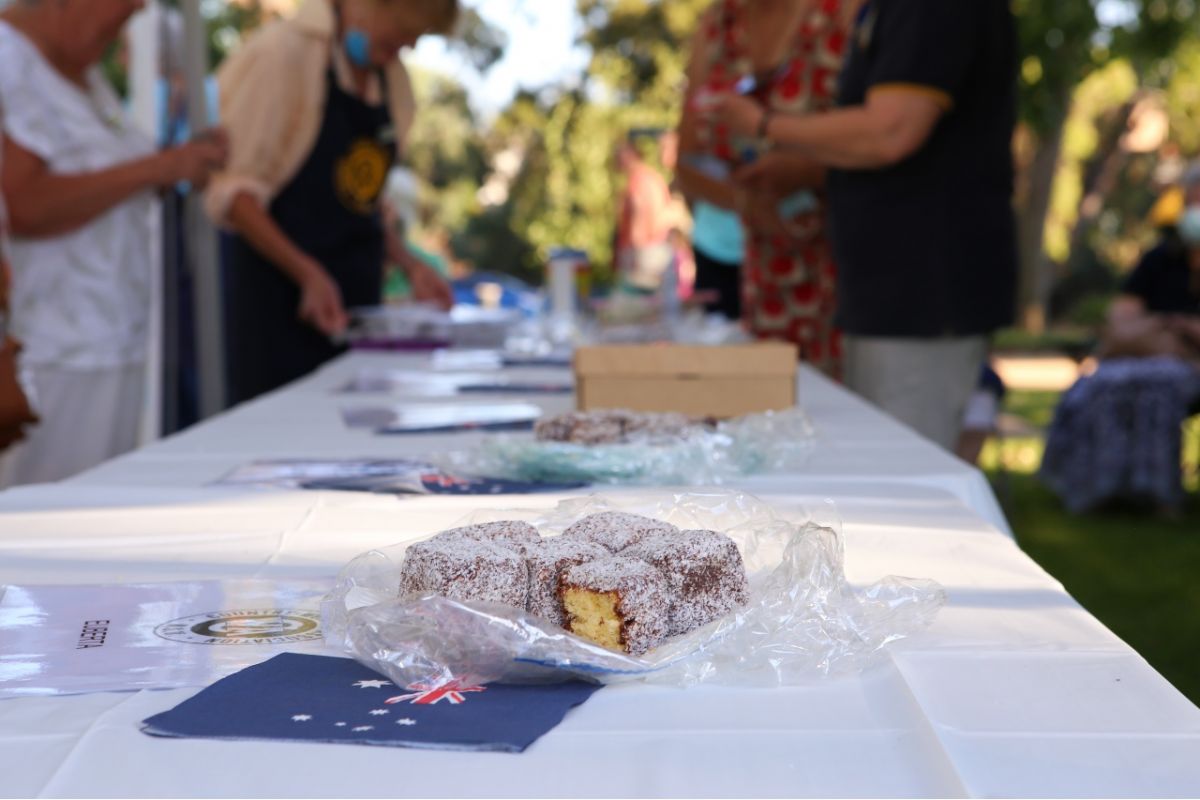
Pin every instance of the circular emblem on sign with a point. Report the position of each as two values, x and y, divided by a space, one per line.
254 626
360 175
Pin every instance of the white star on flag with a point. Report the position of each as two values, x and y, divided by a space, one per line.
371 684
339 724
362 728
406 721
379 712
301 717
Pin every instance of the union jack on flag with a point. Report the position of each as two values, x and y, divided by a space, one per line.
444 481
422 694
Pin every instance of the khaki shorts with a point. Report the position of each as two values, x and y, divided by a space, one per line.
924 383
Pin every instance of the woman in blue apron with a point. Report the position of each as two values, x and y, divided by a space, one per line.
317 107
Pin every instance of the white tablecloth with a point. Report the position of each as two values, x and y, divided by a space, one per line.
1015 690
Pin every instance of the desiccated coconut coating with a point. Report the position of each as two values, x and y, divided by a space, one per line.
616 530
463 569
581 427
705 575
547 562
509 533
616 426
619 603
655 427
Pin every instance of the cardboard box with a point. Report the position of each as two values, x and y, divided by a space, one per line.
725 381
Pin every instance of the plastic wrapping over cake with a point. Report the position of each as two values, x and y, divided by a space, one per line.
702 456
803 619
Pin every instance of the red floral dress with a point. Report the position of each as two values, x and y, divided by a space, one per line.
788 281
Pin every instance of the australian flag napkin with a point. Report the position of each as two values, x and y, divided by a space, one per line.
310 698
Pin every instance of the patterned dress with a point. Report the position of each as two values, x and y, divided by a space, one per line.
788 281
1117 433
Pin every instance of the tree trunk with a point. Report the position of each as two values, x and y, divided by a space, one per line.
1036 269
1101 179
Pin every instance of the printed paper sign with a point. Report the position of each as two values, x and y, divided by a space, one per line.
76 639
443 418
429 384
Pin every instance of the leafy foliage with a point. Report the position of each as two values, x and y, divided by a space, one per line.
1064 42
565 190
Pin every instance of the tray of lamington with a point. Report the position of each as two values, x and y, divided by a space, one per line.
674 587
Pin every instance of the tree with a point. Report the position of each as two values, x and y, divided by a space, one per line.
452 156
482 43
565 192
1062 44
446 149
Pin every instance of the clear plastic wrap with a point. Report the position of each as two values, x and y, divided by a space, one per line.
803 620
756 443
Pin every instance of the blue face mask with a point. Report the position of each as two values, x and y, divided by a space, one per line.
1189 226
357 46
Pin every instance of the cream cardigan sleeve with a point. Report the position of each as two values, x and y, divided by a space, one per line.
272 93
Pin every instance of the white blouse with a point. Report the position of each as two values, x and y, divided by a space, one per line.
80 300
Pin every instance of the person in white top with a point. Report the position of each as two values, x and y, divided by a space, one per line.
79 183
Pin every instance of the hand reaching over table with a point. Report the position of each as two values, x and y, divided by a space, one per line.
321 302
428 286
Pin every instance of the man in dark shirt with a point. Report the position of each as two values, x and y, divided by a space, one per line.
1157 312
1165 281
920 195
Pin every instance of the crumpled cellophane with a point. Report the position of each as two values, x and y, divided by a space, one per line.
757 443
803 620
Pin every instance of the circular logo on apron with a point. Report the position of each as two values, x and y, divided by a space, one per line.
255 626
360 174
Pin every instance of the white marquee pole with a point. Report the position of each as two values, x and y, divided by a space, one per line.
143 81
202 238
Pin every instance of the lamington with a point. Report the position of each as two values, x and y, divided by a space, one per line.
581 427
619 603
508 533
705 575
547 562
616 530
464 569
616 426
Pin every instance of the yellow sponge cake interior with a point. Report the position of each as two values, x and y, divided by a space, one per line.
594 616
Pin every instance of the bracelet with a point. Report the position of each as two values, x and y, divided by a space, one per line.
764 122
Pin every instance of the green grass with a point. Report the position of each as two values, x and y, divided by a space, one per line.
1064 338
1135 570
1035 407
